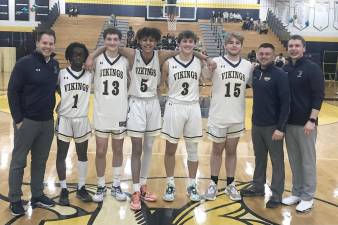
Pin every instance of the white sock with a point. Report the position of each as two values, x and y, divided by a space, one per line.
143 180
136 187
117 176
82 170
171 180
101 181
191 181
63 184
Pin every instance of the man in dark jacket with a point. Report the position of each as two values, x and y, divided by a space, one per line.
307 93
31 97
271 105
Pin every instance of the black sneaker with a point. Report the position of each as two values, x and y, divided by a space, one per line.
272 204
251 192
64 200
83 194
17 208
43 200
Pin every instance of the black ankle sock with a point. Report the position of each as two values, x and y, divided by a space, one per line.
230 180
214 179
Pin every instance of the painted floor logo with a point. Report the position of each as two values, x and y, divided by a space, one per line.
110 211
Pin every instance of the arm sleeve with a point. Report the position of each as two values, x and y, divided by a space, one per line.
14 92
284 97
317 86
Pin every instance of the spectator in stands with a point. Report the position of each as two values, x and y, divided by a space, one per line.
246 24
70 10
75 11
280 60
251 24
219 17
264 28
213 17
231 17
171 41
257 25
252 56
130 36
112 20
225 17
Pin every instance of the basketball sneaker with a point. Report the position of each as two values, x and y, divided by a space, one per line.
211 192
135 201
63 199
100 193
169 194
147 195
83 194
193 194
118 193
232 192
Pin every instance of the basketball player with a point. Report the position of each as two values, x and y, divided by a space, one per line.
182 112
144 117
227 112
73 123
110 111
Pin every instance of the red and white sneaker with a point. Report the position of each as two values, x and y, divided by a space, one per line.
135 201
147 195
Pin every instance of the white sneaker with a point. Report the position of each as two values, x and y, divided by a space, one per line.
100 193
169 194
291 200
304 206
211 192
232 192
193 194
118 193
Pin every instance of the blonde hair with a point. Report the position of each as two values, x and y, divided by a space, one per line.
235 35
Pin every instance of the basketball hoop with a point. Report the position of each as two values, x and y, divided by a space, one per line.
171 23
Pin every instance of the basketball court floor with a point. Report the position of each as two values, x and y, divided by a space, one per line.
181 211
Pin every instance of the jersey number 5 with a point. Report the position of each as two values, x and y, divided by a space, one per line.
144 86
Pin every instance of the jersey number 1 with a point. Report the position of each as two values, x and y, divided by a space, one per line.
76 98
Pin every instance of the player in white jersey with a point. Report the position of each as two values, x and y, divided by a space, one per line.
227 112
182 114
74 88
110 111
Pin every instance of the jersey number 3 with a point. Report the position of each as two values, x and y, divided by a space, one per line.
185 87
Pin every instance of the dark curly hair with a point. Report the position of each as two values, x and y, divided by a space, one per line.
70 47
148 32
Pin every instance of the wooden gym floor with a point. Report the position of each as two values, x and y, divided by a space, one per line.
181 211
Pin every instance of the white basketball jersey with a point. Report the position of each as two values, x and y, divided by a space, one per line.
228 92
75 91
144 78
183 79
111 93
